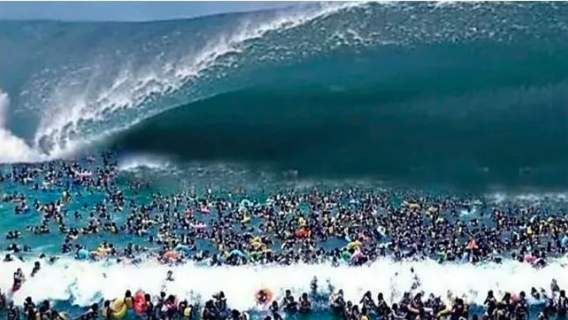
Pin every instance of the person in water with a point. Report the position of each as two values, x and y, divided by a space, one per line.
19 279
91 314
2 300
107 310
274 310
290 304
128 299
562 305
409 307
29 308
337 301
12 311
421 226
36 268
305 304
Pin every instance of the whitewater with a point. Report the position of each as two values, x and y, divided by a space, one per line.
83 283
12 148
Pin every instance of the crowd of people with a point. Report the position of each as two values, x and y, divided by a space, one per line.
413 305
343 225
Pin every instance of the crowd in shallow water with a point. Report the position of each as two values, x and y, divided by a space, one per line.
344 225
414 304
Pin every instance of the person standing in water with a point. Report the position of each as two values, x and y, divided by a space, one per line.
12 312
2 301
562 305
305 304
36 268
19 279
274 308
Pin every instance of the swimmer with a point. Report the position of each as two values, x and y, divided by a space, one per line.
274 310
128 299
29 308
12 311
107 310
305 304
337 301
36 268
170 276
19 279
290 305
562 304
91 314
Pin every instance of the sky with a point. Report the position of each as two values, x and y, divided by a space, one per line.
124 11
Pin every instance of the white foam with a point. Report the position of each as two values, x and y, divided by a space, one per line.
70 105
144 161
12 148
529 197
83 282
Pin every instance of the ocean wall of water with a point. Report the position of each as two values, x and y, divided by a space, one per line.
475 114
472 93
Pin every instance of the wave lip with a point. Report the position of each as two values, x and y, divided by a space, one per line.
83 283
86 109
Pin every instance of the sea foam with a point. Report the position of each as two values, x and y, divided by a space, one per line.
12 148
82 282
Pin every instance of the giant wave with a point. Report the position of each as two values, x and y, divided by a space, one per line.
473 92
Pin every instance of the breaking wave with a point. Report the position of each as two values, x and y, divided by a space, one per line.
83 283
365 88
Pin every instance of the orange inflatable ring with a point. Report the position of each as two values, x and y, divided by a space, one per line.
264 296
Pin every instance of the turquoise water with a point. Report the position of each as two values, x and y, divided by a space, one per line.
462 99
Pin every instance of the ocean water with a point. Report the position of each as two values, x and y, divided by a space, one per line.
474 93
470 97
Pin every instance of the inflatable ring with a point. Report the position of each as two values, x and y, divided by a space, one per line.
187 312
264 296
119 309
139 303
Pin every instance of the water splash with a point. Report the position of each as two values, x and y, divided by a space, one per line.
12 148
83 283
